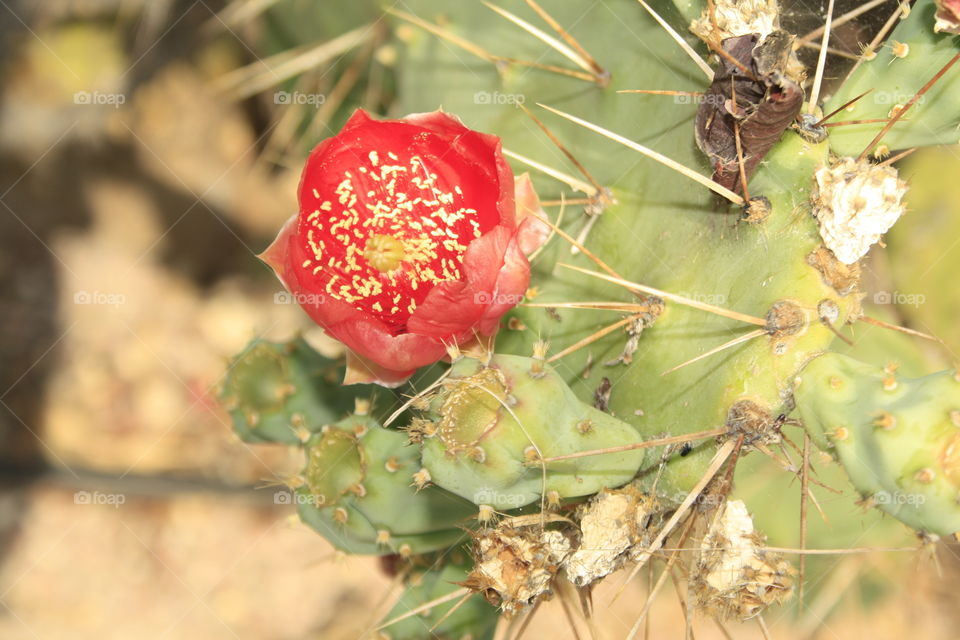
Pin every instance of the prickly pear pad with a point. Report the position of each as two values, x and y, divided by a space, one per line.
495 421
897 438
357 492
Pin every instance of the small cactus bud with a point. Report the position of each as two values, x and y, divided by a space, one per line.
840 434
900 49
485 514
421 479
885 421
453 352
361 406
889 382
553 500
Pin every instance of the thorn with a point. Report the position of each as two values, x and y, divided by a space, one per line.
623 307
718 459
838 21
703 306
836 331
901 112
846 104
898 157
482 53
910 332
738 143
476 50
869 52
592 338
591 62
821 61
450 611
804 490
832 50
667 571
726 345
650 153
700 62
658 442
425 606
552 42
568 180
596 260
600 191
662 92
851 122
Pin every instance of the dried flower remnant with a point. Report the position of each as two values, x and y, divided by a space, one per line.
515 567
734 577
856 202
738 18
756 99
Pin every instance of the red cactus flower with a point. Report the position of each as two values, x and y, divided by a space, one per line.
948 16
409 239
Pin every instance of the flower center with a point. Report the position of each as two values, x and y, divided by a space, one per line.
381 228
384 253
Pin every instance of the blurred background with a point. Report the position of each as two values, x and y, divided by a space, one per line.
148 151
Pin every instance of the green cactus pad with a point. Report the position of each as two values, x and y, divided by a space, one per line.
491 422
893 80
283 391
897 438
357 491
475 618
664 231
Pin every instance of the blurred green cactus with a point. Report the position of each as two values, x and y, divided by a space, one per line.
897 438
673 314
283 392
358 490
492 423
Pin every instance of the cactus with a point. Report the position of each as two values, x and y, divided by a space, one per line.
658 315
283 392
359 490
897 438
492 424
433 581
